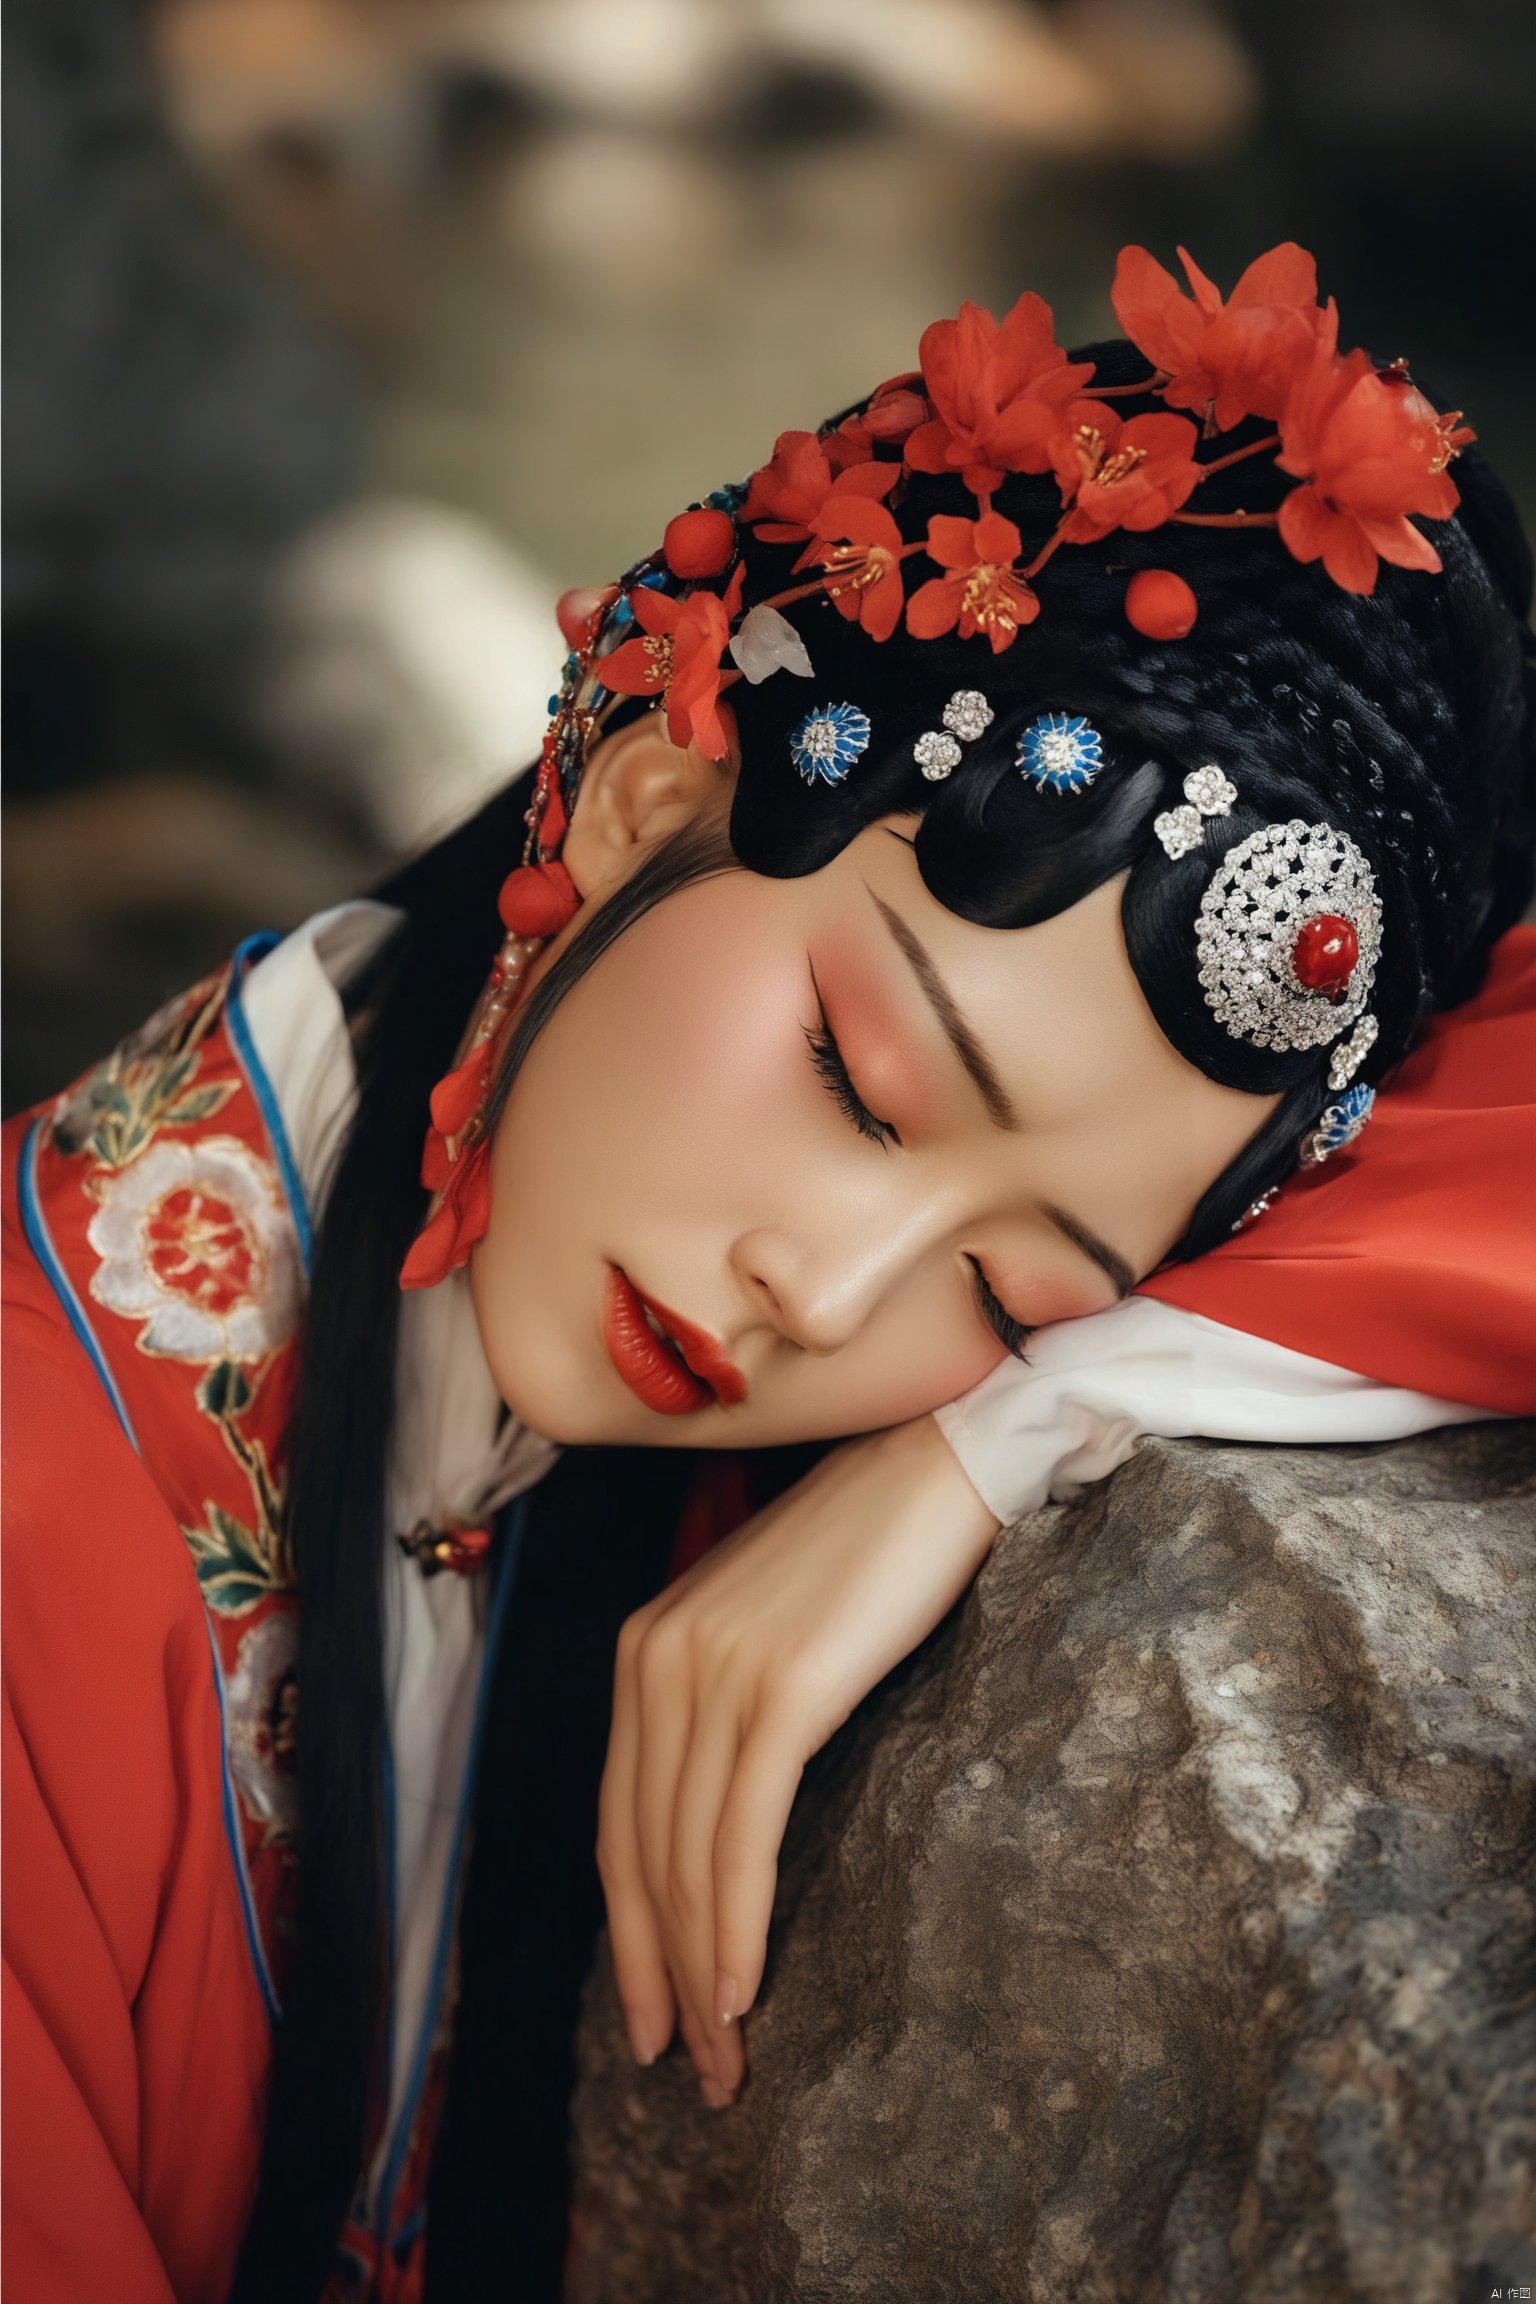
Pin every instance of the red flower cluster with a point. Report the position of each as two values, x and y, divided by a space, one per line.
998 389
1369 450
1225 361
992 397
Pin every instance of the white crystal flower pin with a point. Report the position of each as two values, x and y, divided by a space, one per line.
966 716
1207 792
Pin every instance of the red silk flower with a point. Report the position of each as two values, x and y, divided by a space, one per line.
998 389
1369 450
679 657
982 589
786 494
860 546
893 410
1235 359
459 1220
1119 473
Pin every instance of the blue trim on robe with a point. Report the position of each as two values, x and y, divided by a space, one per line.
35 1225
236 1839
509 1545
246 956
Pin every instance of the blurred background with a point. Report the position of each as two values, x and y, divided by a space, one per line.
343 334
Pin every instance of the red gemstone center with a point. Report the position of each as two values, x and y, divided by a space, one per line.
1324 955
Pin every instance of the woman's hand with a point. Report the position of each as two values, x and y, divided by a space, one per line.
725 1685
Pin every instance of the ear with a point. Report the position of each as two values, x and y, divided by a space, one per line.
637 788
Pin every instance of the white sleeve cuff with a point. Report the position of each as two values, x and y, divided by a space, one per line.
1092 1387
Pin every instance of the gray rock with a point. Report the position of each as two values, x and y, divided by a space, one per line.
1163 1931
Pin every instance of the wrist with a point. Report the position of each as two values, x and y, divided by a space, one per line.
939 1482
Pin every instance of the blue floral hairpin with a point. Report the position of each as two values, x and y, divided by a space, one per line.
1339 1124
828 741
1060 752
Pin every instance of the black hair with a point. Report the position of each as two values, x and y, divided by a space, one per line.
1404 719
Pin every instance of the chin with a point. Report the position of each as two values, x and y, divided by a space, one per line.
549 1396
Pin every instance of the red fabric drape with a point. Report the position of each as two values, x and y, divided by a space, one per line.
1411 1256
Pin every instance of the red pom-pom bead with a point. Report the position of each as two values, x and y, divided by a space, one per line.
537 900
1325 953
699 543
1160 605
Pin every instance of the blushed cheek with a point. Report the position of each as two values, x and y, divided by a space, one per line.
738 1064
918 1376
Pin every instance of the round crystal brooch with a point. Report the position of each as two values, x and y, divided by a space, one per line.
1258 901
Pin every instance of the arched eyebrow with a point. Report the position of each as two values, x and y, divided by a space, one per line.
999 1104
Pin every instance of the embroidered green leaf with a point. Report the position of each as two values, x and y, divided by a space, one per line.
174 1075
234 1567
198 1103
225 1390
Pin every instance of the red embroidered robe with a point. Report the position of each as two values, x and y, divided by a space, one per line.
155 1245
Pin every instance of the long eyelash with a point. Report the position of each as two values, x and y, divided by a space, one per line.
828 1060
1008 1331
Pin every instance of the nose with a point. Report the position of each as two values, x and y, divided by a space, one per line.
817 1296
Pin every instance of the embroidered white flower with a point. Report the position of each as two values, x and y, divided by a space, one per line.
260 1709
197 1238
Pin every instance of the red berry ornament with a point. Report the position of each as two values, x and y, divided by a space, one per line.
537 900
1160 605
699 543
1324 955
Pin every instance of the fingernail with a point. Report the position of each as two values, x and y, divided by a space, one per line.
716 2097
639 2044
727 1993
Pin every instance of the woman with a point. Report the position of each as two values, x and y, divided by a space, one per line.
969 872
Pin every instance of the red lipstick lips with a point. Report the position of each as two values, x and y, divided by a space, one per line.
675 1377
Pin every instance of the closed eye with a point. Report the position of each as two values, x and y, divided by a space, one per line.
1012 1334
836 1079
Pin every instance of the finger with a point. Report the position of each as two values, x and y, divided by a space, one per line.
638 1956
664 1719
714 2091
746 1858
708 1767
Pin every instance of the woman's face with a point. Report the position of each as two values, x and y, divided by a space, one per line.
830 1138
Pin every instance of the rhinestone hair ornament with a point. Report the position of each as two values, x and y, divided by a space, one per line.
1251 935
966 716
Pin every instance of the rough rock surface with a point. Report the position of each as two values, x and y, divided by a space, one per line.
1162 1932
